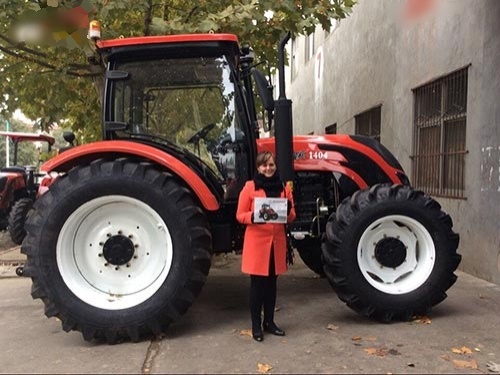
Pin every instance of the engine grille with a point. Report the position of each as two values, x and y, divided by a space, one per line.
307 188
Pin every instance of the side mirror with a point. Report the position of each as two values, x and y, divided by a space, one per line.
69 137
264 90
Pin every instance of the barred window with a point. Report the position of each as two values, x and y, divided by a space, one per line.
440 113
331 129
368 123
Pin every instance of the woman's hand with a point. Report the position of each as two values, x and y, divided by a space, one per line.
253 222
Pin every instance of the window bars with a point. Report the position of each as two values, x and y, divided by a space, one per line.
440 113
368 123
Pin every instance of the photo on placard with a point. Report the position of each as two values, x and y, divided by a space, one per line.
270 210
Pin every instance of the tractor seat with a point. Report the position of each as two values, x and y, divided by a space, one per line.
14 169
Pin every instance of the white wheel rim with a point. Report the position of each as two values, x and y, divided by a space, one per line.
417 265
85 269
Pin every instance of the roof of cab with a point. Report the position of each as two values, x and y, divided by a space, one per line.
181 38
20 136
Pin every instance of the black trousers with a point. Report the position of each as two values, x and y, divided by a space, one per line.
263 296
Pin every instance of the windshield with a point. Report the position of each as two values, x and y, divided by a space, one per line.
189 102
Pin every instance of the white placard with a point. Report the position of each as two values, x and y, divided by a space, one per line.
270 210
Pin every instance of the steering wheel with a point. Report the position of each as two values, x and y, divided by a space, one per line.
200 134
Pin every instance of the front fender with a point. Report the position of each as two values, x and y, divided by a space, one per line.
113 149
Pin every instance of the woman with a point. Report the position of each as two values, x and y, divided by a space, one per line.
264 246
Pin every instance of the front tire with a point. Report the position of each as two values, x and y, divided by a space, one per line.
390 252
309 250
17 218
117 250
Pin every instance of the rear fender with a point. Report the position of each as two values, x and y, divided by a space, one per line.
113 149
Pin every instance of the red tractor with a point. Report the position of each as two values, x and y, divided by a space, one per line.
267 213
120 244
19 186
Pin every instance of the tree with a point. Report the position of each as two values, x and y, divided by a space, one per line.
50 79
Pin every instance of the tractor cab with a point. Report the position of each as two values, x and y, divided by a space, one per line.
19 137
183 95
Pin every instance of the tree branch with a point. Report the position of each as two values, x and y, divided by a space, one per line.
44 64
26 58
22 47
148 17
191 13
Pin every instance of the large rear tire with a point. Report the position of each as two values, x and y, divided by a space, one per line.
117 250
390 252
17 219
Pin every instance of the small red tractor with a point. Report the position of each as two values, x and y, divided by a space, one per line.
120 244
267 213
19 186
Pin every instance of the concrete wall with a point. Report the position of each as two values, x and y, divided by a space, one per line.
374 58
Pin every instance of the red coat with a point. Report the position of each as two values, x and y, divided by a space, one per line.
259 237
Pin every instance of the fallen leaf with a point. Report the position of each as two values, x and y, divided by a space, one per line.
462 350
356 338
477 349
263 368
332 327
422 319
446 357
410 364
472 364
381 352
246 332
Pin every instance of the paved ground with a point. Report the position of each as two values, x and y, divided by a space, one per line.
323 336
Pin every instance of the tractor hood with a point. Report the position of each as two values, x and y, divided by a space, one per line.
363 159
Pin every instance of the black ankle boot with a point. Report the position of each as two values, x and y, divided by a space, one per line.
273 329
257 334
